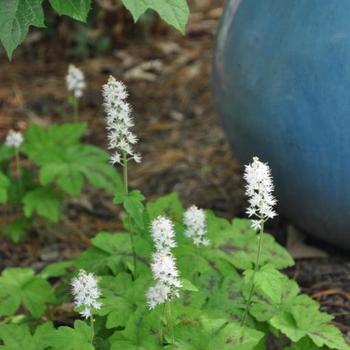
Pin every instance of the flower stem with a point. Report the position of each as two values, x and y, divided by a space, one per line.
18 172
252 287
92 329
170 322
76 109
161 330
126 191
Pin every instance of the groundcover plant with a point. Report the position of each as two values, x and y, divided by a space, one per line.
174 278
42 167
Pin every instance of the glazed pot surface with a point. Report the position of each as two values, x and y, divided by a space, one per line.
282 87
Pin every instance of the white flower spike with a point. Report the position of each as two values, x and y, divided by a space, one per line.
259 189
119 122
14 139
162 232
86 293
163 264
196 228
75 81
164 269
157 295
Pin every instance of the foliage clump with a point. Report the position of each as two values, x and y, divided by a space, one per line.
171 279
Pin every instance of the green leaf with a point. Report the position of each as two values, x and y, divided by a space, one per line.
190 262
57 269
6 153
330 336
303 344
134 207
132 203
66 161
127 345
4 184
116 285
108 251
264 309
17 229
271 283
77 9
117 310
20 286
174 12
234 337
18 337
51 139
187 285
300 317
142 329
77 338
191 331
104 176
69 167
224 295
169 205
16 16
208 334
240 244
44 201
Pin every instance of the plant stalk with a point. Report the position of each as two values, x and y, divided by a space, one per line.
18 172
161 332
252 287
126 191
76 109
170 322
92 329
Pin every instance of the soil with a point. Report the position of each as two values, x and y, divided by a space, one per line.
182 142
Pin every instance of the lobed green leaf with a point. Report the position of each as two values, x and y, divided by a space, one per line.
77 9
174 12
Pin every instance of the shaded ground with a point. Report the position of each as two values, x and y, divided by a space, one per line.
181 140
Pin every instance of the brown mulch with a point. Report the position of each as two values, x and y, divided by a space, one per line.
183 146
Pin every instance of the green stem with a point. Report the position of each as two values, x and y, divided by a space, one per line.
126 191
125 173
76 109
18 172
256 267
92 330
170 322
161 331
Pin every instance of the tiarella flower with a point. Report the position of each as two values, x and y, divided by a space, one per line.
162 231
196 228
259 189
163 264
164 269
119 122
157 295
75 81
14 139
86 293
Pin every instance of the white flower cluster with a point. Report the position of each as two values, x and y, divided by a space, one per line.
196 227
14 139
163 264
162 232
119 122
259 189
75 81
86 293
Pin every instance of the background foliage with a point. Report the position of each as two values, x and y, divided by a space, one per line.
16 16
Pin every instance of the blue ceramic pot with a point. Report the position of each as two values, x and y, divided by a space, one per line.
282 86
